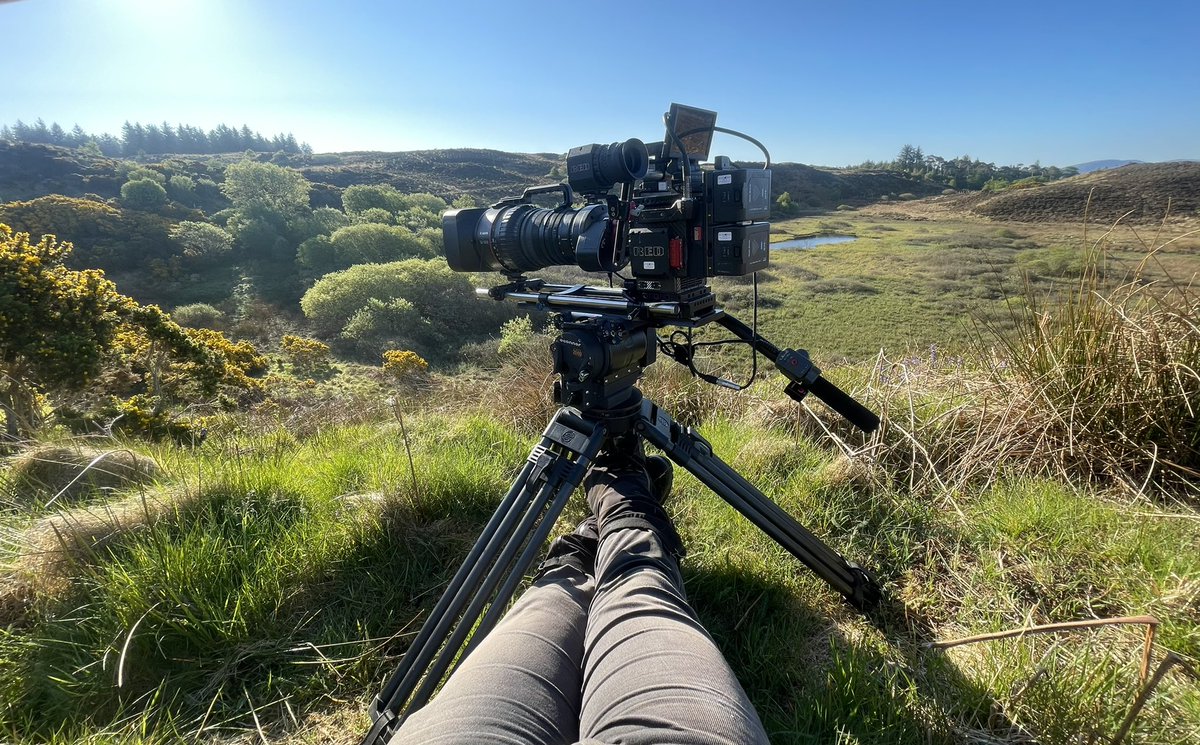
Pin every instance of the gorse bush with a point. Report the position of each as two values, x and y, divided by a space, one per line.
308 356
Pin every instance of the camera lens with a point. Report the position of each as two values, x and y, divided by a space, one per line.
594 168
520 238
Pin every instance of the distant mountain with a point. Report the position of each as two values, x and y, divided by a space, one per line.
1100 165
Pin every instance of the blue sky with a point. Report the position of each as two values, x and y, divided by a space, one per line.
823 83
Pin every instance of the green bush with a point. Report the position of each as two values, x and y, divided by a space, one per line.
143 194
375 215
199 316
515 333
202 241
416 303
368 243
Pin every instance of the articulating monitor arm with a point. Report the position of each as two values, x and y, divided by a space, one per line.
805 377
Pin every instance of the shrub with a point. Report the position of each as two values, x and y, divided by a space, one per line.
362 197
514 334
403 364
143 194
375 215
308 356
199 316
372 243
202 241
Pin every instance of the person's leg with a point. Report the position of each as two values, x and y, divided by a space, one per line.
522 684
651 673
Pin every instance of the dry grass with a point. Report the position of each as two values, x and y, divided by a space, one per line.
63 474
42 557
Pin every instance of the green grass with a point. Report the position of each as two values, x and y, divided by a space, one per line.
291 564
914 284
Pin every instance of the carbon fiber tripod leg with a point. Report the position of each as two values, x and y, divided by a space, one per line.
554 469
692 452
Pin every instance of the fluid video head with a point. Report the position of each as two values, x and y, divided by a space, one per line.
654 210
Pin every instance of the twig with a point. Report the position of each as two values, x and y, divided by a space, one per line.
1168 662
1149 621
254 714
412 469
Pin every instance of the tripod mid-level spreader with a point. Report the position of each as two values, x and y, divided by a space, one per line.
606 343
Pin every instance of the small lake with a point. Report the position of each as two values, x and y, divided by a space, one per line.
813 242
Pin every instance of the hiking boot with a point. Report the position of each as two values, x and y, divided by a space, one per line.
576 550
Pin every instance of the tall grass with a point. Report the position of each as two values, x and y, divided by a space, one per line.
1095 380
1110 375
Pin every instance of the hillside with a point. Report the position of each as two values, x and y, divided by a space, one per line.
1145 191
1101 165
1137 193
31 171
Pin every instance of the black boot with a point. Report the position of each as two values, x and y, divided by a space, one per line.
576 549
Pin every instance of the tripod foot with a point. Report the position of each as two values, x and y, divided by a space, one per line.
866 594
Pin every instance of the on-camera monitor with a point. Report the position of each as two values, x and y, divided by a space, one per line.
695 129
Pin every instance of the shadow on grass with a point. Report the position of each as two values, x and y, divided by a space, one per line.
821 677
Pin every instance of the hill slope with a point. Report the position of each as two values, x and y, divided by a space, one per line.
31 171
1140 192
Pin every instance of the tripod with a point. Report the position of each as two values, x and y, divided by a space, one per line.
599 359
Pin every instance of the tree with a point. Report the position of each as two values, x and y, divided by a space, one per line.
270 212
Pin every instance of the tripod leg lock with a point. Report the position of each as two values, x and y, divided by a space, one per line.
382 729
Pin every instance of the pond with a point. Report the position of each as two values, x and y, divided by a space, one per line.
813 241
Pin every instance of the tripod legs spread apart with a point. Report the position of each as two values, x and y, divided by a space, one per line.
480 590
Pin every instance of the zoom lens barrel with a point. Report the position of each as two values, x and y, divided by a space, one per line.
594 169
523 238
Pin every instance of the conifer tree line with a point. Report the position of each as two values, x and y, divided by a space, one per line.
155 139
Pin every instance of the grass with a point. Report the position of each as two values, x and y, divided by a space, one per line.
266 583
292 571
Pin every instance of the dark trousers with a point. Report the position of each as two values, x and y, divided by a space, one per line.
615 658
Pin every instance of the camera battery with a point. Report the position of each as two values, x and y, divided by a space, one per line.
739 195
740 249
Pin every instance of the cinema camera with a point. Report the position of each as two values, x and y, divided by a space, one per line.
671 221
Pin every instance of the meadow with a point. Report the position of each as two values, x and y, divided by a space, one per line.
260 585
